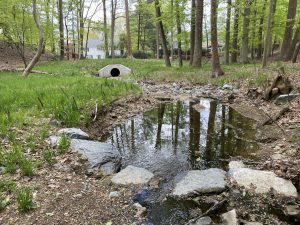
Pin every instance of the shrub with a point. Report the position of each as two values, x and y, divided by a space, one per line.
7 185
12 159
140 55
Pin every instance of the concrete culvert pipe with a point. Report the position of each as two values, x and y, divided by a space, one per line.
115 72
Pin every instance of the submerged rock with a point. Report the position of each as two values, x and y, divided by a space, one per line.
229 218
102 157
132 175
263 181
74 133
199 181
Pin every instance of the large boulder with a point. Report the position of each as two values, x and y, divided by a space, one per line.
114 70
199 181
102 157
262 181
74 133
132 175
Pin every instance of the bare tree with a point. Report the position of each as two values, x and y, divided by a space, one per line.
105 29
41 41
162 34
245 37
129 48
216 67
198 34
61 29
288 34
267 45
227 37
193 6
234 53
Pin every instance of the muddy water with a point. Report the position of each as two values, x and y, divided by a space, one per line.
181 136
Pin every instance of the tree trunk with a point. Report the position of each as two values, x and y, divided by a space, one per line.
260 31
162 34
139 31
178 23
268 34
288 34
113 21
227 37
105 29
61 29
234 52
157 42
253 32
41 41
129 48
216 67
245 38
171 27
198 34
193 2
296 52
295 40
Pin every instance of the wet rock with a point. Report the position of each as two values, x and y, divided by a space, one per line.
282 99
74 133
199 181
114 194
263 181
141 211
101 157
229 218
293 211
202 221
132 175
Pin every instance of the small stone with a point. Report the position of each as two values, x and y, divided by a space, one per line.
203 221
282 99
227 87
292 210
275 91
276 156
114 194
229 218
253 223
75 133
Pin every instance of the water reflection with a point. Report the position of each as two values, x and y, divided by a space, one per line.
184 135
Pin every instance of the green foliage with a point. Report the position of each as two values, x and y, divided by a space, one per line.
12 159
7 185
27 168
25 200
63 144
48 157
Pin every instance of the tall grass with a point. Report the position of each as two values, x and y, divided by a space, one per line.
66 98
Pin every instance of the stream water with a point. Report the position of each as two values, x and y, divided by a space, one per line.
180 136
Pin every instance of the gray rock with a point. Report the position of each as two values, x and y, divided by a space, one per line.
292 210
282 99
253 223
263 181
114 194
202 221
74 133
276 156
227 87
229 218
132 175
102 157
114 70
199 181
236 164
54 140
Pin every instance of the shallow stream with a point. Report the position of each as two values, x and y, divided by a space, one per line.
180 136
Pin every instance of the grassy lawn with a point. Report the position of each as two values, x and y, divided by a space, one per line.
66 98
152 69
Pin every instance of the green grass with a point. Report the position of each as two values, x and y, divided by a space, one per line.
49 157
63 144
69 99
25 200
